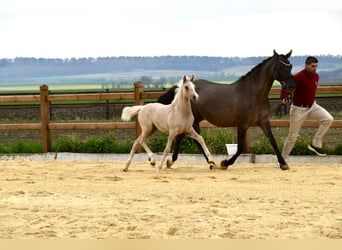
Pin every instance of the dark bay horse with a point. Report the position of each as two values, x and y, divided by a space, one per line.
242 104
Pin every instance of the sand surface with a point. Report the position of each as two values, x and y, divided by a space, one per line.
96 200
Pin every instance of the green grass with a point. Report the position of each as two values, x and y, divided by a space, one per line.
215 138
107 143
22 147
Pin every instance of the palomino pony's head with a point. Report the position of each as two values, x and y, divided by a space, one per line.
282 71
186 89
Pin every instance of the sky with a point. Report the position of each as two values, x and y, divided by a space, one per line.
224 28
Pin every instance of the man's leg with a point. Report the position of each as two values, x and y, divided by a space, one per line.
297 117
322 115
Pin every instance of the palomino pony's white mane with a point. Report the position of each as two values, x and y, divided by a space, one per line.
178 89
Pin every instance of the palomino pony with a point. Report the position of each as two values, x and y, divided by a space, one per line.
174 119
242 104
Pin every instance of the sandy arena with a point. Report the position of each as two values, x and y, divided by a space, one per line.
96 200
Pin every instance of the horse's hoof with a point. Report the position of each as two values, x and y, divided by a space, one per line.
224 164
124 170
284 167
152 162
169 163
212 165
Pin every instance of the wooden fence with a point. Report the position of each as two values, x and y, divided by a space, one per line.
138 96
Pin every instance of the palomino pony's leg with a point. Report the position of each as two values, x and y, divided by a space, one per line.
166 150
131 154
197 128
149 152
193 134
142 141
266 128
179 138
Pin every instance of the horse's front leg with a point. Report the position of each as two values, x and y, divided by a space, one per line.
197 128
199 139
241 143
179 138
266 127
166 151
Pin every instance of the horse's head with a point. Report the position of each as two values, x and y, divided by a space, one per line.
282 71
187 88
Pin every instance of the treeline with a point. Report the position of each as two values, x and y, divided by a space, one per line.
22 67
41 67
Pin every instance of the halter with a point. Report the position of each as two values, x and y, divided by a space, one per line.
283 80
284 63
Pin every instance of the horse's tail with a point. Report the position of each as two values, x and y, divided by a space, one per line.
129 112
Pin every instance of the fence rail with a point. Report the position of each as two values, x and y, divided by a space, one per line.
337 89
138 96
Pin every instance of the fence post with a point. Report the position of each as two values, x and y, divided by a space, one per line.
45 118
138 100
107 106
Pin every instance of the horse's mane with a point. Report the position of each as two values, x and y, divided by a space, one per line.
255 68
178 89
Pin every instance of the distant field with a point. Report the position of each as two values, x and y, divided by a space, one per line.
95 82
59 87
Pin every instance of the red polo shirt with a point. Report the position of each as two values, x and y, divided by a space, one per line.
306 85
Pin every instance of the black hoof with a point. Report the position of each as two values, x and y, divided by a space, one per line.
224 164
284 167
211 165
223 167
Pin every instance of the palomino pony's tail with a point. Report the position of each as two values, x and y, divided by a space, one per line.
129 112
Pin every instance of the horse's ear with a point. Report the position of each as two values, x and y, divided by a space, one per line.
275 53
289 54
192 78
184 78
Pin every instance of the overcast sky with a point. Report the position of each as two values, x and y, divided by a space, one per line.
97 28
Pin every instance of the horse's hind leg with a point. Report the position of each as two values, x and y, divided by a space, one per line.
142 141
146 133
241 143
131 154
166 151
149 153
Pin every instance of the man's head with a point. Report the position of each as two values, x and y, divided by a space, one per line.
311 64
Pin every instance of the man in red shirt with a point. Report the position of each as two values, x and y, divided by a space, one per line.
305 107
